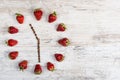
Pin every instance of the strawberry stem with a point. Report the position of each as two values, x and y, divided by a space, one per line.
54 13
37 9
21 69
18 14
38 42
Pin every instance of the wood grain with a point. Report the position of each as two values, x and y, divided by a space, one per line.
92 27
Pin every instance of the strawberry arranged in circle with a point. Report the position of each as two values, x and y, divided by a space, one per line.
61 27
12 42
50 66
64 42
59 57
23 65
19 18
38 14
12 30
13 55
38 69
52 17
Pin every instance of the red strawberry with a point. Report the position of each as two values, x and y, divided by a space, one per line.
52 17
12 30
59 57
20 18
64 42
50 66
13 55
37 69
12 42
23 65
61 27
38 14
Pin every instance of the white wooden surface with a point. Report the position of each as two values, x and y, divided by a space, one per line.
93 28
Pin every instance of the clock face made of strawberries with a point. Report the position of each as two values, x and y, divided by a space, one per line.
38 15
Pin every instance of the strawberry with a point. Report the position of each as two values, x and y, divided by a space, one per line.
59 57
13 55
38 14
12 42
64 42
20 18
37 69
23 65
12 30
52 17
61 27
50 66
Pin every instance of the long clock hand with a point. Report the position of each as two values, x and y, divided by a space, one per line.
38 42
